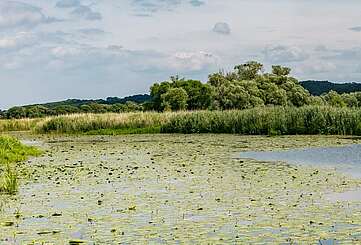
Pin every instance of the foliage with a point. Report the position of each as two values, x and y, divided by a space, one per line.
175 99
334 99
246 87
197 94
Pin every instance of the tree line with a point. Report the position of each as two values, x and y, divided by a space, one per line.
247 86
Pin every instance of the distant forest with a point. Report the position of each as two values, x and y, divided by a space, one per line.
318 88
247 86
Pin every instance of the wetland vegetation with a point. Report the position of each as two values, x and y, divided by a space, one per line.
12 152
178 179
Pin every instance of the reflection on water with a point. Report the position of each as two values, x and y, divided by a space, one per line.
346 159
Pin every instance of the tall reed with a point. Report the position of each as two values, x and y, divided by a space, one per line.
18 124
80 123
269 121
255 121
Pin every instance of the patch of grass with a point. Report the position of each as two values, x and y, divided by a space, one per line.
26 124
12 151
9 181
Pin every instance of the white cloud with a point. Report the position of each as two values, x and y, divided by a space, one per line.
21 15
17 41
85 12
192 60
284 54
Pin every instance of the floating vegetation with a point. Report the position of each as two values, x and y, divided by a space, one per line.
185 189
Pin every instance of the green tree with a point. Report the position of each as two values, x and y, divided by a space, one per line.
249 70
334 99
281 70
350 100
175 99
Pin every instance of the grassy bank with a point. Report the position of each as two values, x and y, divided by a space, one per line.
12 151
256 121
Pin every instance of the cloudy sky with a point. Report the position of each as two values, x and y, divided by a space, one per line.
57 49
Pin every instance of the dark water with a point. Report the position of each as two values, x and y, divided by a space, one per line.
346 159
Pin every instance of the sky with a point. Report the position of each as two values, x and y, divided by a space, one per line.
52 50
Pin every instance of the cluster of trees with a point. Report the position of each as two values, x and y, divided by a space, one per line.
245 87
248 86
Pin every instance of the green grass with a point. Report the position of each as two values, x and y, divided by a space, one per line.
256 121
12 151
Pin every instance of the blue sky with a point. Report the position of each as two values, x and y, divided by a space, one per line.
57 49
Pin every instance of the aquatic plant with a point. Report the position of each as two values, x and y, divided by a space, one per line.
9 181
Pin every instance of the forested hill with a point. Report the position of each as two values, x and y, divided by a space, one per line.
139 98
321 87
111 104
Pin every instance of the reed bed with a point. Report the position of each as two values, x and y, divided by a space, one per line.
256 121
82 123
26 124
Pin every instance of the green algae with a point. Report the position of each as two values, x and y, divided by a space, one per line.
178 189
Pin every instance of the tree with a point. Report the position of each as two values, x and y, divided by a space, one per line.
280 70
334 99
175 99
156 92
350 100
249 70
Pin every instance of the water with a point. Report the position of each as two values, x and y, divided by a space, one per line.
346 159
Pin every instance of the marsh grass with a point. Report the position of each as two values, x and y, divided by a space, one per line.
12 151
26 124
9 181
270 121
256 121
109 123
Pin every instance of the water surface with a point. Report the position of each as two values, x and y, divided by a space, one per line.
346 159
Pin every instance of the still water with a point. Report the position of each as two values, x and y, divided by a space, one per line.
346 159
